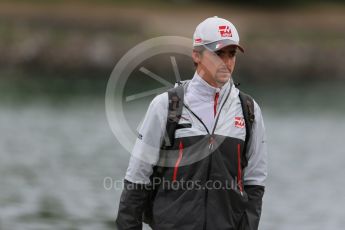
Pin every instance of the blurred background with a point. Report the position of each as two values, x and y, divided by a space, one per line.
57 151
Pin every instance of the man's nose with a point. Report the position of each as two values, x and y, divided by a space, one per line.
227 61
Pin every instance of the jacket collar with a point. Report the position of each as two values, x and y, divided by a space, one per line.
204 91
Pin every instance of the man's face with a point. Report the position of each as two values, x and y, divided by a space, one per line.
216 67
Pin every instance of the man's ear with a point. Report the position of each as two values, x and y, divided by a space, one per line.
196 56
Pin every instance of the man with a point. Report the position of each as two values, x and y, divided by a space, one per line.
210 148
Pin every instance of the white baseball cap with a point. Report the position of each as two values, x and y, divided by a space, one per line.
215 33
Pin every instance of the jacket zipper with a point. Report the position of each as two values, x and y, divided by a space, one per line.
210 147
180 154
216 122
239 169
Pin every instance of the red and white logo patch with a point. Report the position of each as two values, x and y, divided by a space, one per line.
239 122
197 40
225 31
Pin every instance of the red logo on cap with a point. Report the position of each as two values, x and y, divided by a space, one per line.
225 31
198 40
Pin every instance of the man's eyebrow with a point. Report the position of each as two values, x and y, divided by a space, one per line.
223 51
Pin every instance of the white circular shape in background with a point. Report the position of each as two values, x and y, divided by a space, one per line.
122 71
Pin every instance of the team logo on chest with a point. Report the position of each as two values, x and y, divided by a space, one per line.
239 122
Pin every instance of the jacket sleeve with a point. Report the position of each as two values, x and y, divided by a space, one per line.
255 173
253 209
132 204
144 156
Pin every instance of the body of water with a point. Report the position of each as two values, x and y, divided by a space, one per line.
55 159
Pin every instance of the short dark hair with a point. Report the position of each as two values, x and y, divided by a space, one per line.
199 49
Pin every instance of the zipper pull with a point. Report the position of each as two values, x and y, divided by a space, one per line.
211 141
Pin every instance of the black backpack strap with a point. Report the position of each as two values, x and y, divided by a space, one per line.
247 104
176 96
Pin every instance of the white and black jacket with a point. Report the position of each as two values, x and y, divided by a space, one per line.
207 181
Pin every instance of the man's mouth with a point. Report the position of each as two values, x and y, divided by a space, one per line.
223 71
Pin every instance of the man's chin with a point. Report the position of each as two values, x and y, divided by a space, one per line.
223 77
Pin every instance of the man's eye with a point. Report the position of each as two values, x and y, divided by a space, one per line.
219 53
